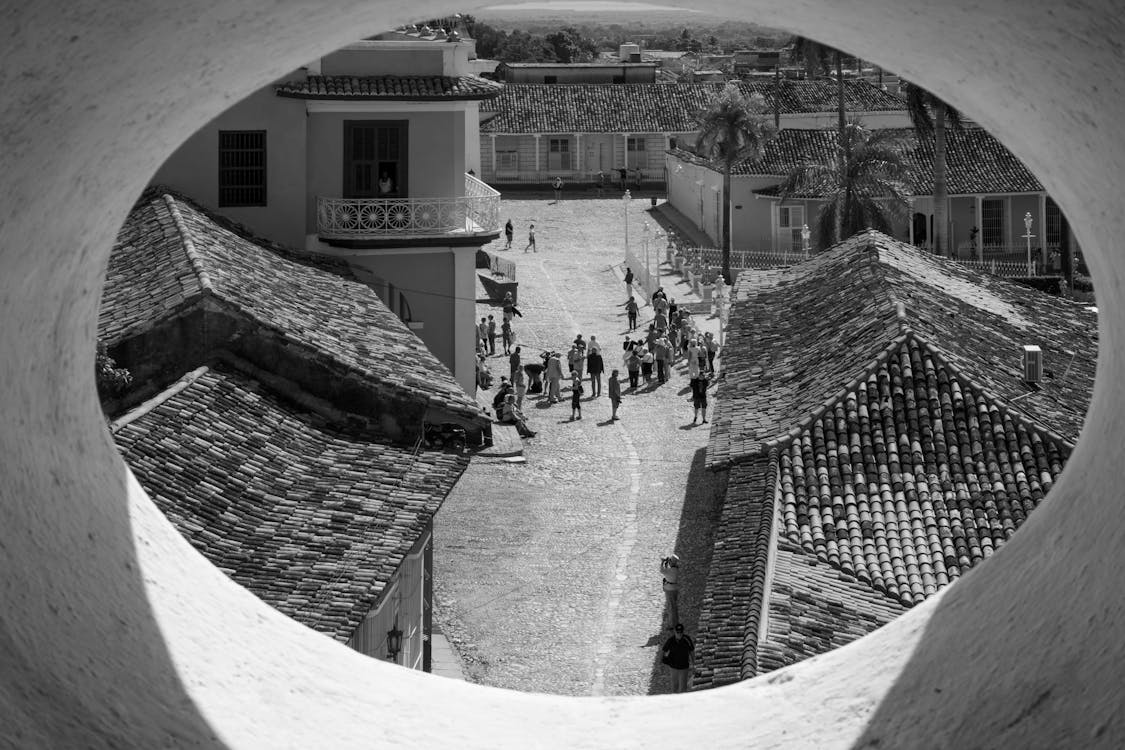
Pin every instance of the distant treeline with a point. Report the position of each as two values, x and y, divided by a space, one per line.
583 42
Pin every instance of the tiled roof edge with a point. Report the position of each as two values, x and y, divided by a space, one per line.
1003 407
189 246
761 569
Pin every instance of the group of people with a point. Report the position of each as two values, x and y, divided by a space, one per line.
510 233
671 334
487 331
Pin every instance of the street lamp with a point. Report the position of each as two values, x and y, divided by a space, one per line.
625 201
646 231
394 642
805 239
1028 236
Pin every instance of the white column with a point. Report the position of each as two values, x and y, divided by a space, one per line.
1042 230
492 138
538 164
625 151
980 227
578 155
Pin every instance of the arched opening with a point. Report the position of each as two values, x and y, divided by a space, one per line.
116 633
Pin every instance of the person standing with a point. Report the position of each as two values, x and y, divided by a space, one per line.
482 335
519 384
557 185
631 311
595 366
633 365
531 239
712 345
509 232
491 335
670 581
514 362
576 397
629 282
679 654
647 360
662 352
614 393
506 335
554 377
699 395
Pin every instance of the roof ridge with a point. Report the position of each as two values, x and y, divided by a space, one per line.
149 404
194 256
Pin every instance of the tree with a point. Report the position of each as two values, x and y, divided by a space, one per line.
732 129
111 380
867 188
930 116
815 57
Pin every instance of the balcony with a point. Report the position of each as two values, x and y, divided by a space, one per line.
388 220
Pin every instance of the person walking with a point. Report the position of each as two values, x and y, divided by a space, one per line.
629 282
614 394
509 232
679 654
595 366
631 310
576 391
531 239
647 359
557 186
491 335
712 345
514 362
670 581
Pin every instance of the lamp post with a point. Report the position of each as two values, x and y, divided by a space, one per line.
646 232
1027 235
394 642
805 239
625 201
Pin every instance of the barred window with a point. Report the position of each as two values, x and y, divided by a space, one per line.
242 168
992 218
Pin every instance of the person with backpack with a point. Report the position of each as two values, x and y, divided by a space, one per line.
679 655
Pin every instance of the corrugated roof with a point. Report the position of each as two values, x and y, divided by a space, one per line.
312 521
659 107
390 88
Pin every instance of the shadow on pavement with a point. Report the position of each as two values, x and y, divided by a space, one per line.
698 519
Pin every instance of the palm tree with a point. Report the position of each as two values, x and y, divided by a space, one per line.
733 128
930 116
816 58
867 188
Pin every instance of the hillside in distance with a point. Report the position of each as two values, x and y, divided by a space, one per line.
640 18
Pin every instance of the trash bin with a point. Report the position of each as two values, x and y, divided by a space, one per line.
653 199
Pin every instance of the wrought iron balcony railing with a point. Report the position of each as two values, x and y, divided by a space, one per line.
475 213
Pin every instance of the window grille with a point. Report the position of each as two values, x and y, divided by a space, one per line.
507 161
992 220
242 168
558 154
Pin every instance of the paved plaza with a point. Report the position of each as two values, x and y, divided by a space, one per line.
546 571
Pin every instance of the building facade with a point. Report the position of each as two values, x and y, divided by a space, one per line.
369 154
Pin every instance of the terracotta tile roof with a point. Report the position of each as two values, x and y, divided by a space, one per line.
731 612
312 521
657 107
391 88
894 482
799 338
171 256
815 608
975 161
912 478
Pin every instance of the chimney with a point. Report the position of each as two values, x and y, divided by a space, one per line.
1032 364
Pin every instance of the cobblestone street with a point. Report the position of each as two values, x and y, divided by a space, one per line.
546 572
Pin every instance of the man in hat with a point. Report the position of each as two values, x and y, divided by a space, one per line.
679 654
